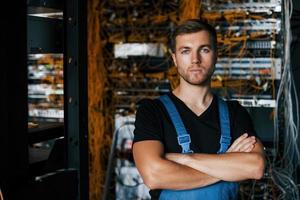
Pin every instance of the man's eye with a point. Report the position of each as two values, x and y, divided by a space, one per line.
185 52
205 50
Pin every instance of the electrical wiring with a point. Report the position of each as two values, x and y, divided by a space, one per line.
282 175
284 167
242 33
136 26
229 41
189 9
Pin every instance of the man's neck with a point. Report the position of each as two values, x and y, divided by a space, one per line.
194 95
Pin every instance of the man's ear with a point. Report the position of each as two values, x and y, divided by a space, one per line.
174 58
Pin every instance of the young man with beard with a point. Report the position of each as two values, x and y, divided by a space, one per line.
191 144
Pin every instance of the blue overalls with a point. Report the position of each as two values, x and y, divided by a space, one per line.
221 190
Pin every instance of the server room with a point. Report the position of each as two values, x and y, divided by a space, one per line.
150 99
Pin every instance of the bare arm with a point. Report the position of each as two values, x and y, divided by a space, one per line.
233 165
160 173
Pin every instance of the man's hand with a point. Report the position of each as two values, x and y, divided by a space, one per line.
227 167
243 144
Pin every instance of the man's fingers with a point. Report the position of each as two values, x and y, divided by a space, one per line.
234 146
241 138
246 147
245 143
249 149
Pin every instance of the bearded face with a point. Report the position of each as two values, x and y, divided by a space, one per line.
194 58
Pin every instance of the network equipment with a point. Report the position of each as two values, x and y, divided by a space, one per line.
250 35
45 87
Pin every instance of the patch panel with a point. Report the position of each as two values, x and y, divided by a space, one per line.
46 113
256 6
139 49
261 44
268 103
266 25
246 68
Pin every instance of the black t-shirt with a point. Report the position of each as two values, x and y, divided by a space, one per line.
153 123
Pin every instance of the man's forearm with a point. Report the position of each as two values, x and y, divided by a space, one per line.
227 167
170 175
160 173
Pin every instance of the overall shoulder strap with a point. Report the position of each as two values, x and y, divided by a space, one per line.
183 137
225 139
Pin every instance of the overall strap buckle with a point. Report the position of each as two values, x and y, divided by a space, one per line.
183 137
184 141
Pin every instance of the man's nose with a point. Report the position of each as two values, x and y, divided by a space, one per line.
196 58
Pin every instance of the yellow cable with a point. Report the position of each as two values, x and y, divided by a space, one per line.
189 9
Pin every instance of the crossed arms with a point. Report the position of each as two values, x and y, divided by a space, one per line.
243 160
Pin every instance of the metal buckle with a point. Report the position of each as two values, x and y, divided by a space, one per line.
184 139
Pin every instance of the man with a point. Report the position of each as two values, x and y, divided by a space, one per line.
202 165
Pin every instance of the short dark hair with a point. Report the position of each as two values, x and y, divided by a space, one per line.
192 26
